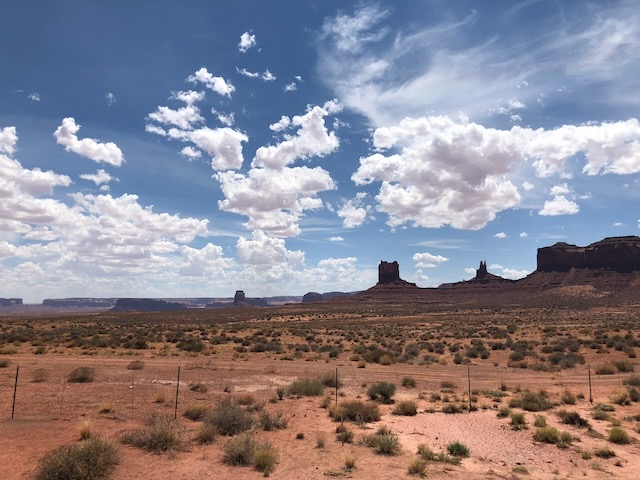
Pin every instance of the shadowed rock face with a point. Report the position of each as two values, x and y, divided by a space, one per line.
146 305
312 297
388 272
239 297
621 254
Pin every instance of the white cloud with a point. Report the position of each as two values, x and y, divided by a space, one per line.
524 234
336 239
99 178
223 144
561 189
217 84
514 274
189 97
267 76
274 200
447 172
184 118
560 205
155 130
618 224
110 98
527 186
34 97
500 235
290 87
87 147
247 41
428 260
227 119
281 124
352 33
191 153
353 212
8 140
265 250
311 139
247 73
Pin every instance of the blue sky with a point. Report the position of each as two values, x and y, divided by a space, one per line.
167 149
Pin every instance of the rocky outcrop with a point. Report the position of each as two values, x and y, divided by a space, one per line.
312 297
79 302
9 302
483 278
388 272
619 254
239 297
146 305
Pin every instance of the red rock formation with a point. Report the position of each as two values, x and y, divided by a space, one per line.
388 272
620 254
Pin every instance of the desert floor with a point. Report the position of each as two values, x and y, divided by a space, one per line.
50 410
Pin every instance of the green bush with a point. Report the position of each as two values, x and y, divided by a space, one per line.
82 375
265 458
504 412
604 453
306 387
458 449
229 418
418 467
619 435
408 408
547 435
532 402
573 418
452 408
161 434
518 421
195 411
384 441
540 421
382 392
408 382
355 411
92 459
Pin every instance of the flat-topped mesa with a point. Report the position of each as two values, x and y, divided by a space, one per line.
620 254
239 297
388 272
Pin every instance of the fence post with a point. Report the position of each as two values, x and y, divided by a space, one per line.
590 394
15 389
336 386
469 384
175 413
64 382
133 384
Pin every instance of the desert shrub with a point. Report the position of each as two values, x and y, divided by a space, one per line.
568 398
265 458
623 366
606 369
384 441
161 434
240 450
329 380
4 362
273 421
344 434
632 381
427 454
409 382
619 435
532 402
355 411
547 435
206 433
280 391
306 387
458 449
246 400
540 421
518 421
229 418
407 408
620 397
604 453
504 412
82 375
447 385
520 469
599 414
86 430
135 365
452 408
573 418
198 387
40 375
418 467
92 459
382 392
195 411
349 462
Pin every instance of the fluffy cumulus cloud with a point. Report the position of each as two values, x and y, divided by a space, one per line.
428 260
263 249
101 177
500 235
273 194
510 273
8 140
224 145
114 241
212 82
87 147
184 117
442 171
559 205
354 212
247 41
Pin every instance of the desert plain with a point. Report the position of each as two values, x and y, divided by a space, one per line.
443 385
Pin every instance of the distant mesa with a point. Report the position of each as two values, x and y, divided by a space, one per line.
80 302
389 277
312 297
239 297
146 305
9 302
619 254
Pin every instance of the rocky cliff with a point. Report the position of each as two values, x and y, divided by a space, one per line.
146 305
619 254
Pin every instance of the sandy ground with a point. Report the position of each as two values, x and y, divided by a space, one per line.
49 414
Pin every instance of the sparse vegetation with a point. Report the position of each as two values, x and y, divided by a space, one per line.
161 434
82 375
307 387
382 392
93 459
229 418
619 436
458 449
355 411
407 408
135 365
